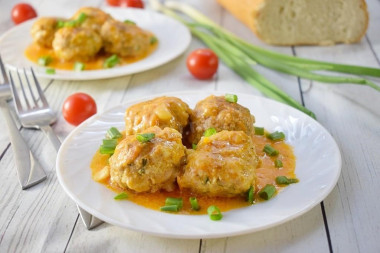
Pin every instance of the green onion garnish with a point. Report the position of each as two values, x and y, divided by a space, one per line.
278 163
78 66
171 208
113 133
71 23
285 180
122 195
108 146
44 60
276 136
144 138
269 150
81 18
231 98
214 213
209 132
174 201
50 71
194 203
127 21
267 192
250 194
259 130
153 40
60 24
194 146
111 61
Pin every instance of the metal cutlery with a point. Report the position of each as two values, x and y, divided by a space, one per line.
29 170
37 114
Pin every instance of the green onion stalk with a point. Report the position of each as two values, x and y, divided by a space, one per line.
239 55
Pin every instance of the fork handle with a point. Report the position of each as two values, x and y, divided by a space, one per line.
51 136
29 170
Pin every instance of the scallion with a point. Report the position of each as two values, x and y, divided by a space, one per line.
44 60
232 98
259 130
122 195
171 208
194 146
278 163
153 40
81 18
113 133
108 146
276 136
50 71
174 201
250 195
127 21
111 61
144 138
267 192
269 150
194 203
209 132
285 180
78 66
214 213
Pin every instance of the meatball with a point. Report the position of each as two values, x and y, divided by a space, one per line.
150 166
220 114
95 18
123 39
223 165
162 112
76 43
43 31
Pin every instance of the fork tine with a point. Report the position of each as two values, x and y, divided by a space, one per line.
30 89
15 94
23 90
3 72
40 92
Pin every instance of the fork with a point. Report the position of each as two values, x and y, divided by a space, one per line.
39 116
29 170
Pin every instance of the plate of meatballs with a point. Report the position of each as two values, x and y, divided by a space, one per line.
198 146
94 43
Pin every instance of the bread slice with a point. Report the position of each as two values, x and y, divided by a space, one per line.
302 22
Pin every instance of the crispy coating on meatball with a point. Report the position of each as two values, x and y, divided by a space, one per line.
43 31
95 18
151 166
220 114
127 40
162 112
76 43
223 165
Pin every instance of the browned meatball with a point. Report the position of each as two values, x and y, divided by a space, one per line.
43 31
127 40
76 43
223 165
95 18
151 166
162 112
216 112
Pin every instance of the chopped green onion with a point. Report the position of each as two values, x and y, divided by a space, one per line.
231 98
278 163
127 21
194 146
144 138
60 24
122 195
78 66
276 136
153 40
174 201
144 162
81 18
285 180
209 132
250 195
44 60
194 203
111 61
71 23
214 213
50 71
269 150
171 208
113 133
108 146
259 130
267 192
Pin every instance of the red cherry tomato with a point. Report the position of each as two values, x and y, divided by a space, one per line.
202 63
78 107
22 12
126 3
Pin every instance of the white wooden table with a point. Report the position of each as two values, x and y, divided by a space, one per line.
44 219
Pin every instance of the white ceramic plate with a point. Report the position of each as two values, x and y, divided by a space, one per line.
318 168
174 38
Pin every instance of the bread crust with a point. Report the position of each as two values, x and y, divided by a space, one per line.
248 12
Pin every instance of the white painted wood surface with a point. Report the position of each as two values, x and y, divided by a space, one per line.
44 219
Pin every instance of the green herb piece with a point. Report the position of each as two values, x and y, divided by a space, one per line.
174 201
269 150
214 213
153 40
127 21
60 24
267 192
231 98
144 138
250 195
194 146
144 162
70 23
278 163
171 208
285 180
276 136
259 130
81 18
111 61
108 146
122 195
50 71
113 133
209 132
78 66
194 203
44 60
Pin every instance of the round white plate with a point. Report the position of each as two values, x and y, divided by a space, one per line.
318 168
174 38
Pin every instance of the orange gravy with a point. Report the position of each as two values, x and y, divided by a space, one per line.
266 173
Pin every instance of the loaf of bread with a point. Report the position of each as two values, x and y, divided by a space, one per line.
302 22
